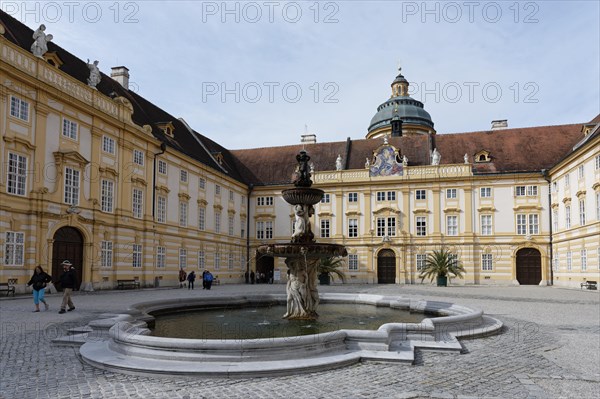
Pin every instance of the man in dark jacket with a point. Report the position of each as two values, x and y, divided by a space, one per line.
68 280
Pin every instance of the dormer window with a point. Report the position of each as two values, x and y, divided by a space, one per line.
53 59
219 157
167 128
483 156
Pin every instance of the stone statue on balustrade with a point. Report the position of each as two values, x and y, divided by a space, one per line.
95 76
40 41
338 162
436 157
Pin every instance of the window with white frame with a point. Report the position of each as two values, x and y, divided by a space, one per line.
555 261
486 225
201 260
567 217
69 129
107 195
138 157
420 194
485 192
19 108
217 220
530 191
352 197
380 196
108 145
243 228
421 224
161 257
264 201
161 209
106 254
14 248
230 225
353 262
137 203
569 260
582 212
325 228
521 224
183 176
597 205
453 258
597 162
201 218
554 187
567 180
162 167
486 262
264 230
217 189
386 226
555 220
243 261
420 261
182 258
583 260
391 196
16 178
183 213
326 199
230 195
534 223
268 230
352 228
71 186
217 260
450 193
201 183
452 225
230 261
137 255
580 172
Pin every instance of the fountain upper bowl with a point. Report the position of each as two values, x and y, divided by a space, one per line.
302 195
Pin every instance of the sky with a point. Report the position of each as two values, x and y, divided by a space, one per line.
260 74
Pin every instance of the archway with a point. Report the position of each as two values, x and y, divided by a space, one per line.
529 266
265 266
386 267
68 245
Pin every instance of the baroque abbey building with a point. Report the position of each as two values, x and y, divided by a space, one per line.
94 173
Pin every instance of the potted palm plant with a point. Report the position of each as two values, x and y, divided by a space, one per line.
330 267
440 265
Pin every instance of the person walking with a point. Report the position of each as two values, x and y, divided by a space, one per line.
39 280
182 278
191 278
68 280
208 280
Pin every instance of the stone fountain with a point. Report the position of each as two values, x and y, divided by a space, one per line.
302 254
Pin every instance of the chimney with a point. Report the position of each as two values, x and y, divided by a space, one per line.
121 75
499 124
308 138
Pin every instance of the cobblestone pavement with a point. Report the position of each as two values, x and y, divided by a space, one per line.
549 348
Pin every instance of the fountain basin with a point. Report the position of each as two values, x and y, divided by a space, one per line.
129 347
302 195
297 250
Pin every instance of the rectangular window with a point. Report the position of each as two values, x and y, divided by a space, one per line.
183 213
201 218
521 224
569 260
201 260
391 227
352 197
230 195
325 228
420 194
108 145
202 183
567 180
16 179
582 212
583 260
554 220
421 226
71 186
486 225
597 162
326 199
138 157
421 261
598 205
452 225
217 260
14 249
567 217
451 193
532 191
69 129
137 255
485 192
161 209
138 203
453 258
380 196
391 196
107 195
106 254
534 227
243 228
230 225
183 176
162 167
486 262
520 191
264 201
19 108
182 258
260 230
217 221
161 257
554 187
353 262
217 189
352 228
268 230
380 227
580 172
555 261
230 261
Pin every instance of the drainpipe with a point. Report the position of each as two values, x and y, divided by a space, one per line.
250 188
163 148
547 178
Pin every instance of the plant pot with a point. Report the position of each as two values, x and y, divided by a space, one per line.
324 279
442 281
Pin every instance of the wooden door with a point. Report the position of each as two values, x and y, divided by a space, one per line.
68 245
386 267
529 266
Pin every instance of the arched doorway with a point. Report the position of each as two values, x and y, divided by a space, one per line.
265 266
68 244
529 266
386 267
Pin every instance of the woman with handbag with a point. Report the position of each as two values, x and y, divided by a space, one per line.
39 280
